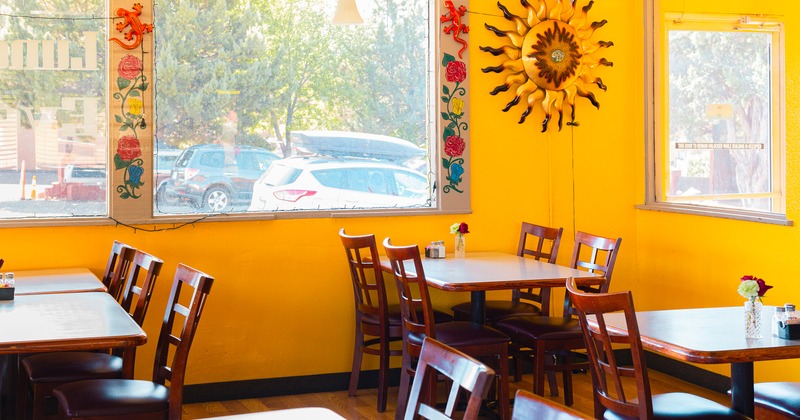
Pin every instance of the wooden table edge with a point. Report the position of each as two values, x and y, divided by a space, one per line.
76 345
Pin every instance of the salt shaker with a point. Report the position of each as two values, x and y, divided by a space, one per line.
778 317
789 309
442 250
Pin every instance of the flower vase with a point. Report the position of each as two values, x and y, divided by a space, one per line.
461 246
752 318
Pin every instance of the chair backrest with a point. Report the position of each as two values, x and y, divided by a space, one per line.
412 289
366 275
138 289
466 374
541 243
597 255
608 375
190 288
528 405
117 267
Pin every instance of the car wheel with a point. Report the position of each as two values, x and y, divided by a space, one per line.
216 200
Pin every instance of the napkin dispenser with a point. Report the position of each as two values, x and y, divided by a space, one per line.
789 331
7 293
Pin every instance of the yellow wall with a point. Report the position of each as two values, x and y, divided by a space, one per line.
282 304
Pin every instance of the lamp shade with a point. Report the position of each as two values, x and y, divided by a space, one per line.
347 13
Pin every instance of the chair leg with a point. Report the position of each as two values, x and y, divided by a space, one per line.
358 353
567 380
504 392
538 369
517 368
383 374
402 392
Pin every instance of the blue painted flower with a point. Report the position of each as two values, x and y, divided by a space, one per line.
135 172
456 170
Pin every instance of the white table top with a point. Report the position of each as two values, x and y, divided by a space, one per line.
498 271
57 280
310 413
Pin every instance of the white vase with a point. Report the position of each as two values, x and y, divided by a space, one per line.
753 325
461 246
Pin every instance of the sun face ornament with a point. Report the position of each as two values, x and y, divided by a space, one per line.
549 58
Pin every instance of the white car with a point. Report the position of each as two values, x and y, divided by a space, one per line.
325 183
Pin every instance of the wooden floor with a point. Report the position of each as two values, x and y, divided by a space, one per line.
363 405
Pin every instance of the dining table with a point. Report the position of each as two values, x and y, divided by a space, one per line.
480 272
56 280
711 336
61 322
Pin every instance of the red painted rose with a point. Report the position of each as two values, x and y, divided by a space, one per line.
456 71
454 146
128 148
129 67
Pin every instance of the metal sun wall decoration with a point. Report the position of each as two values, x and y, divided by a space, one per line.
453 97
131 85
549 58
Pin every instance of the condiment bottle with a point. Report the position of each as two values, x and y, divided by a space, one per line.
442 249
778 317
789 309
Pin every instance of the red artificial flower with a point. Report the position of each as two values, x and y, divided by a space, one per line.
128 148
129 67
456 71
463 228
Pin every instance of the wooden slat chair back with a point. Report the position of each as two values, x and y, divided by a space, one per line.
117 267
161 398
374 328
528 405
465 374
541 243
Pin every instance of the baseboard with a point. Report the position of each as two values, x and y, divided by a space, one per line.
273 387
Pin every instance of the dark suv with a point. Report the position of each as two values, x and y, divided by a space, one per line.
213 177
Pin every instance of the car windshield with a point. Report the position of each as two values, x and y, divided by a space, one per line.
278 175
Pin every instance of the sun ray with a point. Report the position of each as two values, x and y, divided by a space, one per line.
550 57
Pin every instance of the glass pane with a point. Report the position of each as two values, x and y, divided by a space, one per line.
720 119
275 110
53 138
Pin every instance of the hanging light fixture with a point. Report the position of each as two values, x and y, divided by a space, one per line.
347 13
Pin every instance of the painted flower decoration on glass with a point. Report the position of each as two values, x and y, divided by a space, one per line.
454 144
752 287
131 84
549 58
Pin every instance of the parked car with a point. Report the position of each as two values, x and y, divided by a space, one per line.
213 177
164 161
355 144
312 183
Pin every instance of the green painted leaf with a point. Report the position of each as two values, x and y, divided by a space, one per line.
445 163
124 127
445 116
124 196
118 118
445 90
143 87
123 83
446 58
134 93
447 132
119 163
452 125
445 99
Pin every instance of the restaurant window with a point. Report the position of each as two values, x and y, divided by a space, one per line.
53 140
271 107
716 122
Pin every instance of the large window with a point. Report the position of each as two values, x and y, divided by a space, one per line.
717 146
267 106
53 141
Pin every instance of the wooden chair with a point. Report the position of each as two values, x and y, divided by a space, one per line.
117 267
545 242
613 399
777 400
41 373
558 336
418 322
464 372
529 406
128 398
375 327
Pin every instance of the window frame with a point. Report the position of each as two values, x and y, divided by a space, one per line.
656 32
141 211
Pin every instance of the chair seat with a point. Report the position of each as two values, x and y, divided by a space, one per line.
679 405
112 397
783 397
396 318
65 367
524 328
497 309
463 334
